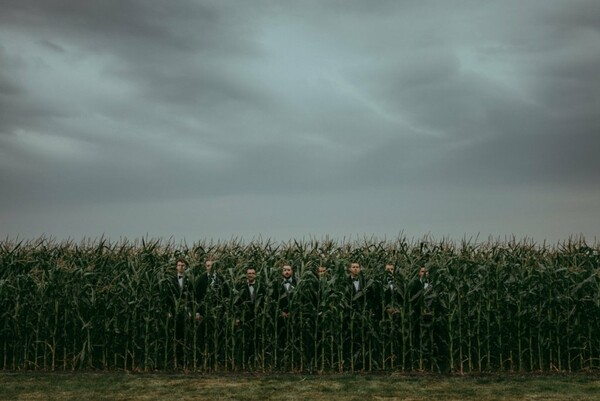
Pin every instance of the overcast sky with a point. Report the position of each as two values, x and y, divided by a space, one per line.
286 120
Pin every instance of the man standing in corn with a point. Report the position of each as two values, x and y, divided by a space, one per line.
212 293
389 312
182 311
248 300
358 318
420 318
284 291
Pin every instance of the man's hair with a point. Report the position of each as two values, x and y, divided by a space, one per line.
182 260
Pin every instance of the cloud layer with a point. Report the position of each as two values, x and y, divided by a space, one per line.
217 119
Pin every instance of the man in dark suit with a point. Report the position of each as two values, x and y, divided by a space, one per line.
284 291
211 280
249 298
359 291
388 310
212 293
429 322
317 290
390 291
420 316
359 314
182 310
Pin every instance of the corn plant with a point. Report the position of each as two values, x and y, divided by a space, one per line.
489 307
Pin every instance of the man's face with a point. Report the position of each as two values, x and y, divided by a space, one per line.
422 272
208 264
286 271
180 267
322 271
354 269
389 269
251 275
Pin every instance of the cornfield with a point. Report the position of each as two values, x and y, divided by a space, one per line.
489 307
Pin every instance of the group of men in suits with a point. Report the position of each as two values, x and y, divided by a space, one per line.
192 297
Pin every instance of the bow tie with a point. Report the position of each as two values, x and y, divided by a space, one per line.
179 277
250 284
287 281
355 280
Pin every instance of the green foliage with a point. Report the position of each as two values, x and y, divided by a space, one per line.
492 306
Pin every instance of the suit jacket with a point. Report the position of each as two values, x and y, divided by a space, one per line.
212 293
389 293
361 298
181 298
212 284
246 303
417 290
283 295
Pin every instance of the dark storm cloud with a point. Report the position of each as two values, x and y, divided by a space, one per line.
167 56
12 99
536 126
109 25
171 54
117 102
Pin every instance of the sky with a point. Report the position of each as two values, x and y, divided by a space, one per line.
195 120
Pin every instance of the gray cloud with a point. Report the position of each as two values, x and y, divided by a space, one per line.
109 105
